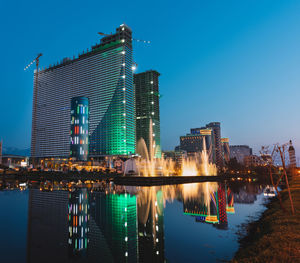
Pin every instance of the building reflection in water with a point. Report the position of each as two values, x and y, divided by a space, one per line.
208 203
47 235
115 224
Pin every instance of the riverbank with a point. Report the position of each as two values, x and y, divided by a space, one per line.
275 237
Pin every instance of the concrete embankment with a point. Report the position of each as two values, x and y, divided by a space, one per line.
275 237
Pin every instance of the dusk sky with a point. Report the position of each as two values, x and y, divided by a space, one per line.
237 62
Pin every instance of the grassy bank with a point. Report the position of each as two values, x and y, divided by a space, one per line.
275 237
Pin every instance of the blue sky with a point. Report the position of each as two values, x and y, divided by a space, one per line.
237 62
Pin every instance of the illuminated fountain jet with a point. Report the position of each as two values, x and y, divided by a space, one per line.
199 164
148 164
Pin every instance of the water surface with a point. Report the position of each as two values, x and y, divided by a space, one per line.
54 222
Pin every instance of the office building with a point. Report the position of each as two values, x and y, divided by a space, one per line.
198 140
147 109
239 152
102 74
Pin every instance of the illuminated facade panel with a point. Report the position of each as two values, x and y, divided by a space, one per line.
79 133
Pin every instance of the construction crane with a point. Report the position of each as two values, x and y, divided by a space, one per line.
36 60
35 91
133 39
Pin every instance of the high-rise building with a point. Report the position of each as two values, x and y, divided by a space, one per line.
147 108
200 139
292 155
240 152
216 127
104 75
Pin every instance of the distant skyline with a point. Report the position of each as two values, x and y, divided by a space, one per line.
236 62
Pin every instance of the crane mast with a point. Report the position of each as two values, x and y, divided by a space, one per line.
35 92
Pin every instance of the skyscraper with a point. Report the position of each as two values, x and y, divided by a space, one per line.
147 108
216 127
103 75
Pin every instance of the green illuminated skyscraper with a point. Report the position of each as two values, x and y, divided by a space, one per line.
147 108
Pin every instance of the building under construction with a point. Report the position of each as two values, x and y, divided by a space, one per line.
103 74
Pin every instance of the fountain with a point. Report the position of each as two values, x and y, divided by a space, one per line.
148 165
199 164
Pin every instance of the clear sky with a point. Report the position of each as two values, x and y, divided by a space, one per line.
237 62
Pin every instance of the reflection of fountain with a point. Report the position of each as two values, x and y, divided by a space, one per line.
202 191
208 202
150 225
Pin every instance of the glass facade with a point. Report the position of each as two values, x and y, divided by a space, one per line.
147 108
103 75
